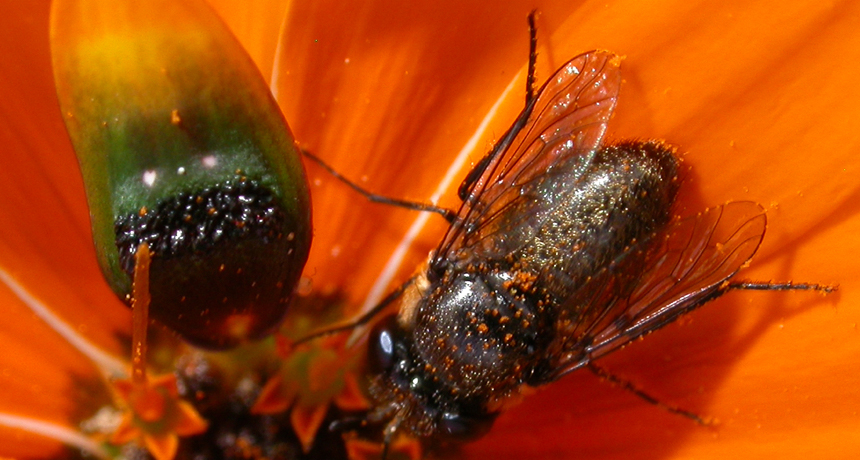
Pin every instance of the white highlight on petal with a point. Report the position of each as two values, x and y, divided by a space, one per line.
57 432
107 363
209 161
276 64
149 177
380 287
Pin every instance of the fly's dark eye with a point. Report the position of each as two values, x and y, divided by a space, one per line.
466 427
384 340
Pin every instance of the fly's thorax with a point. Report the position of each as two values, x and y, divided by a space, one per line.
479 329
470 345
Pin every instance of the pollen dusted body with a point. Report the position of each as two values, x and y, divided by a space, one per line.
484 327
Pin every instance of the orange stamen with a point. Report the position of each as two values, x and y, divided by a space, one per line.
140 313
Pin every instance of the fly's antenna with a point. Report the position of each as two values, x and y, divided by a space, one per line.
361 320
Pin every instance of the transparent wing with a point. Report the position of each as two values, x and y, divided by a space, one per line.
553 140
687 265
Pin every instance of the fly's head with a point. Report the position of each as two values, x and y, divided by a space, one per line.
411 398
467 346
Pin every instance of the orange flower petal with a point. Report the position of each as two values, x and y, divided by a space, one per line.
256 26
45 245
188 421
306 420
351 398
273 397
163 446
156 414
401 448
127 431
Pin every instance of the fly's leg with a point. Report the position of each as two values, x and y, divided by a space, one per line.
448 214
468 184
736 285
770 286
629 386
361 320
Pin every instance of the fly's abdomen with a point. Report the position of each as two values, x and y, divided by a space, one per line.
623 198
485 322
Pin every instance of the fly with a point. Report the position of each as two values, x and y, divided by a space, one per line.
563 250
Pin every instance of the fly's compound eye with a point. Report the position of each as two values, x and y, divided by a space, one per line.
466 427
384 340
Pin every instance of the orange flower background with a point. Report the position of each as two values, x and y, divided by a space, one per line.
762 100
